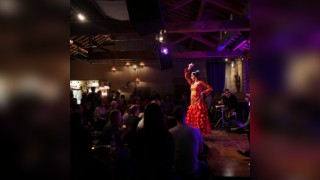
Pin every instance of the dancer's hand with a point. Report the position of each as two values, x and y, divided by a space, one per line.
190 66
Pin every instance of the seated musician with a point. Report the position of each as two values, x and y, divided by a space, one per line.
230 102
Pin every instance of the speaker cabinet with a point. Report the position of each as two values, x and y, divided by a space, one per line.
165 60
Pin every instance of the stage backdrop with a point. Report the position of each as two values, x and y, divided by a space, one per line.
216 75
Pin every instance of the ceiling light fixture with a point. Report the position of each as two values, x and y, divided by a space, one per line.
134 67
81 17
161 36
141 64
113 69
137 80
164 50
127 64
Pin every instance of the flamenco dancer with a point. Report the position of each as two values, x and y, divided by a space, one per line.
197 115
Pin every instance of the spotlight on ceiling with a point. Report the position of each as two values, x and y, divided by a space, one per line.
164 50
161 36
81 17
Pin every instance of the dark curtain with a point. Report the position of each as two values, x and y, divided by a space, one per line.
216 75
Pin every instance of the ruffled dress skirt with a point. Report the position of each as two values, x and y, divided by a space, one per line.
197 116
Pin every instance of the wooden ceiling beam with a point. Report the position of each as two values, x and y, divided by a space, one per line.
227 6
201 9
152 55
178 41
199 15
202 40
226 40
124 55
110 27
100 27
179 5
205 54
207 26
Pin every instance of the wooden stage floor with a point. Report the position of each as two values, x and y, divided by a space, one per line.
223 159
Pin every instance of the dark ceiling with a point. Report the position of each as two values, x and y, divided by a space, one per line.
197 29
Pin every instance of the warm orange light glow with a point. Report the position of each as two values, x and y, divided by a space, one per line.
81 17
127 64
113 69
134 67
141 64
137 80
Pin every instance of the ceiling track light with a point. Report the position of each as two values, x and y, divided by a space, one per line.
161 36
81 17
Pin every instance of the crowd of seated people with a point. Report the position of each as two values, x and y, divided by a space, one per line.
126 135
107 141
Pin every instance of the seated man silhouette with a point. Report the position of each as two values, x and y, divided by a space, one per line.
188 146
230 102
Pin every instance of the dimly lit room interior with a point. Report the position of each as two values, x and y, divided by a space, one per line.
128 55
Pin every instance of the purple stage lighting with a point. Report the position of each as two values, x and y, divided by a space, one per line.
164 50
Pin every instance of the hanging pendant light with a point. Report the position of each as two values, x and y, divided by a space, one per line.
137 80
113 69
141 64
127 64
